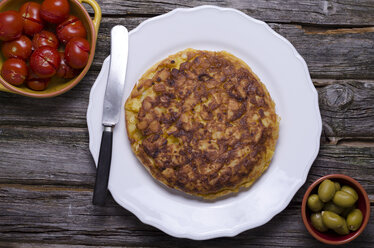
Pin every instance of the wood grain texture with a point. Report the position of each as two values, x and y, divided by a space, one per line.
323 12
345 109
47 172
329 53
46 193
349 100
66 216
60 156
11 244
67 110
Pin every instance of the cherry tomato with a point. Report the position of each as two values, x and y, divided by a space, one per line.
45 38
64 70
14 71
55 11
39 85
77 52
20 48
11 25
45 61
34 82
70 28
32 21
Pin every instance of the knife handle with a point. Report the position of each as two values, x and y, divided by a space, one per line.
103 168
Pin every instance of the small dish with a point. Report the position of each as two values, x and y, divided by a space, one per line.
362 203
58 86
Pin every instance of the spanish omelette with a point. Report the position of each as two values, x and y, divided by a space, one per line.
202 122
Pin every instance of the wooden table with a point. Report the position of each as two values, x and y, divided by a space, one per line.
47 172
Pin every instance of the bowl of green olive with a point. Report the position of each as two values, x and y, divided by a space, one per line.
335 209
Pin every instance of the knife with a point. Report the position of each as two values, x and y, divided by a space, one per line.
111 109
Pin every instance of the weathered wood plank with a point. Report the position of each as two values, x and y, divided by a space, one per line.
347 101
47 173
66 216
48 245
66 110
356 162
345 108
345 54
53 156
60 156
347 12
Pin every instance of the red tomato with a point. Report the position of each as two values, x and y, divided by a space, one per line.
70 28
55 11
45 38
32 21
77 52
65 71
38 84
20 48
45 61
14 71
34 82
11 25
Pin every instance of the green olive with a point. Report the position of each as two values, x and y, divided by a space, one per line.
351 191
332 220
326 190
314 203
343 230
343 199
346 211
337 186
354 219
330 206
317 222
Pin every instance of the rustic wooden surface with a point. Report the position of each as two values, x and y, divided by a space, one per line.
47 172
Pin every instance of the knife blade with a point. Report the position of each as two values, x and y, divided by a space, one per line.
111 109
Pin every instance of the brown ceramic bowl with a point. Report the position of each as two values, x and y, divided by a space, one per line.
57 86
362 203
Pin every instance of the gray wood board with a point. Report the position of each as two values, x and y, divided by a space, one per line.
47 172
345 108
65 215
322 12
329 53
60 156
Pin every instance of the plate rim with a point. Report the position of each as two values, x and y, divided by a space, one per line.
232 231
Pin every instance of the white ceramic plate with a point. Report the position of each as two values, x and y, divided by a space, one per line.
285 75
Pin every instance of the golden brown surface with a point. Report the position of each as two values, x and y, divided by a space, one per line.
202 122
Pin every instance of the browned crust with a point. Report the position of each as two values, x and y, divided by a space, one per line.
202 122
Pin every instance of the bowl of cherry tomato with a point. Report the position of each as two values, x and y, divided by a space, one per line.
47 46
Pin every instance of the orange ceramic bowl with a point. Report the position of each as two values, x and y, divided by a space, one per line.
362 203
58 86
